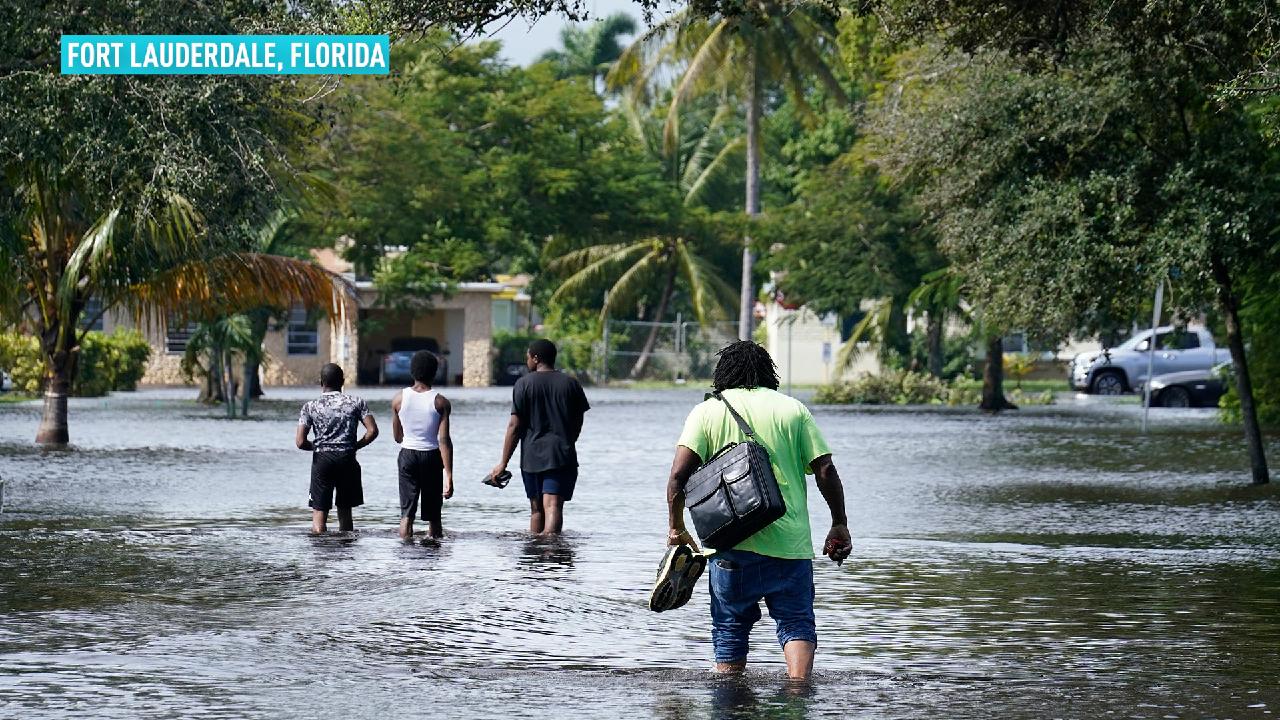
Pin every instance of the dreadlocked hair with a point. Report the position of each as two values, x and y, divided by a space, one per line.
744 364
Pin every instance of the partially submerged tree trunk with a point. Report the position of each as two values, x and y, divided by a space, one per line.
259 318
933 336
993 399
1230 306
747 297
229 383
658 313
60 369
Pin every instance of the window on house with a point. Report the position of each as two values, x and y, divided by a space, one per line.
91 318
301 334
1014 342
177 335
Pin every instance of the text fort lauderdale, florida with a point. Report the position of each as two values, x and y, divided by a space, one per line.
227 55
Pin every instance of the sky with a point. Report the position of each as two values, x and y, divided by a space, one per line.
522 43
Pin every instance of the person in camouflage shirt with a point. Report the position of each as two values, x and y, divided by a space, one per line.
333 420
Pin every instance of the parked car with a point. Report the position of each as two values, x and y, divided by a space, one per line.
509 373
1123 368
1190 388
395 364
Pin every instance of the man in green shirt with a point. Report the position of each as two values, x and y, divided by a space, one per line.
776 563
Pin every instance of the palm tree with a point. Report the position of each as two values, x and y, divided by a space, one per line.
770 43
634 267
694 163
590 48
57 250
220 343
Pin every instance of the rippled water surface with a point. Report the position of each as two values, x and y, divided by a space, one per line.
1044 563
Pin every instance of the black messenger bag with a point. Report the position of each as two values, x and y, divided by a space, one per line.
734 495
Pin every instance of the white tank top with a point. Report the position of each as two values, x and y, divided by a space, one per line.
419 419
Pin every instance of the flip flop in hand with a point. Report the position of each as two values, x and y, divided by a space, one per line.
499 481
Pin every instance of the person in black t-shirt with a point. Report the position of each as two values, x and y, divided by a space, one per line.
546 419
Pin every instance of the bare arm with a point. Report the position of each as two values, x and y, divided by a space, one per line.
300 438
370 432
446 443
838 544
682 467
509 442
397 430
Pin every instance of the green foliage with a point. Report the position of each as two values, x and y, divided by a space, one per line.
1261 314
461 167
106 362
576 334
589 49
1017 366
20 357
902 387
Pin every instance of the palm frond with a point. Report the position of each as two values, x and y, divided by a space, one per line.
595 264
730 149
804 41
228 284
709 294
627 284
701 71
702 150
872 328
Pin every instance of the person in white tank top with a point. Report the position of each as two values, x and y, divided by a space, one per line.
420 424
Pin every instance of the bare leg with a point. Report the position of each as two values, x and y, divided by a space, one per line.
799 654
733 668
406 527
344 520
535 515
319 520
554 507
437 531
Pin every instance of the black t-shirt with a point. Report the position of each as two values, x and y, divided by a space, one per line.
550 407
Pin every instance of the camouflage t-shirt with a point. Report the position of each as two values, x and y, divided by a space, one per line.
334 418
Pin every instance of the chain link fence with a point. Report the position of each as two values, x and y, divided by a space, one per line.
642 350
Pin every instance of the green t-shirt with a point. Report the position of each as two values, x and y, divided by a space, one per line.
784 426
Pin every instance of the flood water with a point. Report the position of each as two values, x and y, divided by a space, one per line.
1052 562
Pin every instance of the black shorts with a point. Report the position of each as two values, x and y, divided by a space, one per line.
332 471
421 473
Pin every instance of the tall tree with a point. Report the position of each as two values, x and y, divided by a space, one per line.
588 50
1076 158
756 46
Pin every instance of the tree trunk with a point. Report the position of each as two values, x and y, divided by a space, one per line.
658 314
993 399
747 299
59 372
229 383
933 336
250 371
1230 306
259 318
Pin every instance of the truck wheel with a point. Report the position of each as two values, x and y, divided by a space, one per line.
1107 382
1175 396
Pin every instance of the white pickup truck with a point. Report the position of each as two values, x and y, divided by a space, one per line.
1123 368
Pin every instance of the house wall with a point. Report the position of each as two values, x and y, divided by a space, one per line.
806 349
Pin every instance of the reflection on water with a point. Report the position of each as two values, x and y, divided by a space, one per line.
1046 563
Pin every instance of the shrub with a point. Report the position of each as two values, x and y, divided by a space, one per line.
107 362
901 387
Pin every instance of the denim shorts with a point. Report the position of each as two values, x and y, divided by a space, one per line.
560 481
739 581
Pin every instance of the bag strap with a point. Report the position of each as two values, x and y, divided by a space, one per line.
742 424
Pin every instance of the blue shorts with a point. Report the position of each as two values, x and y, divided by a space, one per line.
739 581
559 481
